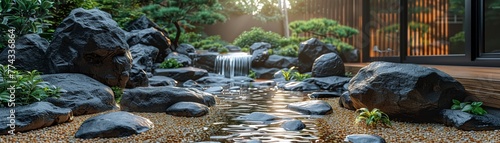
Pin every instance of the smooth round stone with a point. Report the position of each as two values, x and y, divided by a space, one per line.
187 109
363 138
293 125
257 116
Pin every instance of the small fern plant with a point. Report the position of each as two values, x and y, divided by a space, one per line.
118 92
288 74
473 108
372 118
170 63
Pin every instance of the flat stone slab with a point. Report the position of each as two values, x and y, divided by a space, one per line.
313 107
112 125
257 116
363 138
466 121
300 86
182 74
324 95
187 109
33 116
293 125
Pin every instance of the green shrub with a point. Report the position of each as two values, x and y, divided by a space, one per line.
473 108
222 50
118 92
288 74
458 38
293 74
300 77
170 63
245 49
204 43
256 34
372 118
290 51
25 16
29 86
252 74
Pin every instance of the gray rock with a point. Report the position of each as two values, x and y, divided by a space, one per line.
259 57
324 95
345 101
158 99
300 86
331 83
214 79
257 116
233 48
208 99
162 81
329 64
191 84
293 125
309 51
90 42
214 89
265 73
363 138
113 125
277 61
84 95
138 78
242 79
185 49
312 107
187 109
144 56
279 74
206 61
30 51
180 58
150 37
407 92
33 116
470 122
182 74
259 46
264 84
141 23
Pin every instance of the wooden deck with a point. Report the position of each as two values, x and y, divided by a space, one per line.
482 82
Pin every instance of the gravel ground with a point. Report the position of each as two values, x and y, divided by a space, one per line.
334 128
167 128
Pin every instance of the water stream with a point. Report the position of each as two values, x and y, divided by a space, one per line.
233 64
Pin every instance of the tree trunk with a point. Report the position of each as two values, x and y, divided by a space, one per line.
175 43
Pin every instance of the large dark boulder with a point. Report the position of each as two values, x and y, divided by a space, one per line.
29 53
277 61
404 91
187 109
331 83
309 51
185 49
158 99
91 43
345 101
113 125
180 58
144 56
470 122
138 78
329 64
32 116
182 74
141 23
259 46
259 52
84 95
265 73
205 61
150 37
312 107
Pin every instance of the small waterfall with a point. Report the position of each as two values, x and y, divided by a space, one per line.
233 64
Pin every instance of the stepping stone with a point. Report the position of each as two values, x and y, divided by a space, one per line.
363 138
293 125
470 122
187 109
324 95
257 116
113 125
313 107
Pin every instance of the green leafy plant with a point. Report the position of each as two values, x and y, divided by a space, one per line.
300 77
222 50
293 74
170 63
257 34
473 108
372 118
252 74
288 74
28 85
118 92
348 74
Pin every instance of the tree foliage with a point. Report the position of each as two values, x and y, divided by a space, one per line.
263 10
185 13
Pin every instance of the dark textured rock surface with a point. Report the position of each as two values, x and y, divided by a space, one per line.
309 51
185 49
182 74
180 58
257 116
363 138
205 61
150 37
162 81
329 64
259 46
158 99
405 91
324 95
113 125
30 51
138 78
187 109
345 101
144 57
277 61
265 73
91 43
300 86
233 48
465 121
84 95
293 125
312 107
331 83
33 116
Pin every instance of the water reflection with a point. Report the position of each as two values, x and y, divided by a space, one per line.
273 102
